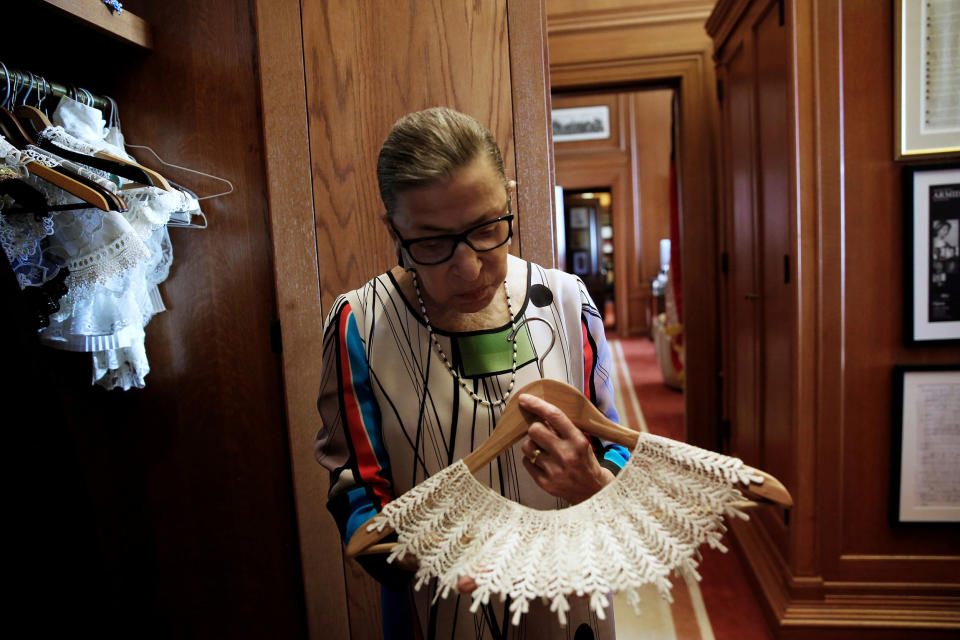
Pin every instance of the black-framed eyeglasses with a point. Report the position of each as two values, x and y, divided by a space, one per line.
485 236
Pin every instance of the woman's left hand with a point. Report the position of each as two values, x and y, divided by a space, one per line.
566 466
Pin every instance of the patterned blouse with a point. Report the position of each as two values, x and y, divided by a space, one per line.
393 415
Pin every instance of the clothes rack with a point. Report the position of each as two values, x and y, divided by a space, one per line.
35 82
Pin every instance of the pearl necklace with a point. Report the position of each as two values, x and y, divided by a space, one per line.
443 356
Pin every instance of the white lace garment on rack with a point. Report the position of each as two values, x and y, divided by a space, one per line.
116 259
23 237
668 500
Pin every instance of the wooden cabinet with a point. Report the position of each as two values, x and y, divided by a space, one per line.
166 511
812 319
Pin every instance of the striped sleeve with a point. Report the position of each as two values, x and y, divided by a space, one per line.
350 442
597 379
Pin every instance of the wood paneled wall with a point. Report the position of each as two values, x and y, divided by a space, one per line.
168 511
624 43
840 569
340 86
634 163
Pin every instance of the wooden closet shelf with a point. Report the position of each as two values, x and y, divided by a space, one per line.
95 14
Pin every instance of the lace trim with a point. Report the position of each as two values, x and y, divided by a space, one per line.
59 136
668 500
21 237
33 154
12 158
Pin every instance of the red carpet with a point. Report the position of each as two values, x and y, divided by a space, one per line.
662 406
729 602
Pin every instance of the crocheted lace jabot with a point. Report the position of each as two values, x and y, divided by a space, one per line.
669 498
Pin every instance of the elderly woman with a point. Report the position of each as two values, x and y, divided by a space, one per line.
417 367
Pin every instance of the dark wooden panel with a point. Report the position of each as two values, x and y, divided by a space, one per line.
777 286
169 509
744 313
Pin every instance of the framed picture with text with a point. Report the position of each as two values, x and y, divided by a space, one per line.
926 86
925 465
931 203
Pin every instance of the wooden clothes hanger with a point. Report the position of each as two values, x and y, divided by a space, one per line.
92 194
512 427
36 120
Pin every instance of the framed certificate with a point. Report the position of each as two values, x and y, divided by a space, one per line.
927 86
926 444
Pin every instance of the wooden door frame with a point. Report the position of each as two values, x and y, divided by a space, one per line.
299 309
692 73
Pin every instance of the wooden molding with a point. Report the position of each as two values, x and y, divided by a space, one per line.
810 602
628 17
532 131
724 19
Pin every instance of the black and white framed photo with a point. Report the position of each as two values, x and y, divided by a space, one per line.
925 461
927 87
931 195
581 123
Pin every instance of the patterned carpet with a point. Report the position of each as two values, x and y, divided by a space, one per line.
721 606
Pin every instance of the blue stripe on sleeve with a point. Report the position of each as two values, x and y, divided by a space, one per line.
616 454
360 377
361 510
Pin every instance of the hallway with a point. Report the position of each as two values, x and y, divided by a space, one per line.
721 606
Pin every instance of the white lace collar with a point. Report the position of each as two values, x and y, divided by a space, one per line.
669 499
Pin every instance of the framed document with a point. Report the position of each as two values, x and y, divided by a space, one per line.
927 86
931 203
926 444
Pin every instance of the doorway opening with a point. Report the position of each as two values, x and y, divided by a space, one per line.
588 233
619 232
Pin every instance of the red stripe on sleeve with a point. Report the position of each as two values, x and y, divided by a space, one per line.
367 464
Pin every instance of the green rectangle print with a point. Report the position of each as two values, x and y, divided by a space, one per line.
484 354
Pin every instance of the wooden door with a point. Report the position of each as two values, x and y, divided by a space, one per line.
337 75
777 282
742 313
760 306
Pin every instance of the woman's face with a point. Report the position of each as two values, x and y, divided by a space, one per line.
469 280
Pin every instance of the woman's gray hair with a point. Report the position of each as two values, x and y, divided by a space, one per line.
425 146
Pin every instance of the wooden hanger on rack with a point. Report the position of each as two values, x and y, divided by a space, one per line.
68 181
36 121
512 427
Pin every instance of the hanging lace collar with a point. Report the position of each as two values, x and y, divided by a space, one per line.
668 500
